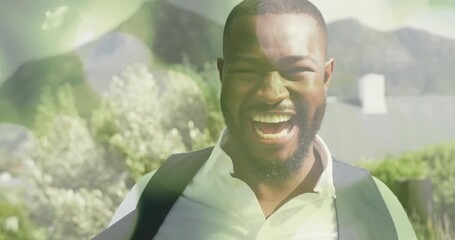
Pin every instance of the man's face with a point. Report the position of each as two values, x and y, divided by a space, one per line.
274 84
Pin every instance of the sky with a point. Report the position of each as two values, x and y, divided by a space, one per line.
31 29
434 16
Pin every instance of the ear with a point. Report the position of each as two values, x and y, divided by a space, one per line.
220 66
328 70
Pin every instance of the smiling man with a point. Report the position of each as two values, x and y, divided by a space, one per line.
274 83
274 79
269 176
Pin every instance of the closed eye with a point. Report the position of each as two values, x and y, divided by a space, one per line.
297 73
299 70
247 71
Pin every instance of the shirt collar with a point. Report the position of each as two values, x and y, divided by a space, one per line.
222 163
325 182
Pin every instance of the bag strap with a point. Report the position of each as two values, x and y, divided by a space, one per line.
164 189
361 210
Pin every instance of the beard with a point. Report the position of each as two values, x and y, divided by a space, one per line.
276 171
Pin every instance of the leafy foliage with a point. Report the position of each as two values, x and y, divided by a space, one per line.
393 169
435 162
14 223
208 81
146 117
442 171
79 169
435 229
76 187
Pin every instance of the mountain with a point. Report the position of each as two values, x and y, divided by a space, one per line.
20 94
414 62
175 35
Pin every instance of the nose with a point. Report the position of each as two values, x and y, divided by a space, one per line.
272 89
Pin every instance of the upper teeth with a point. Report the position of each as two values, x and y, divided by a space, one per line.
271 118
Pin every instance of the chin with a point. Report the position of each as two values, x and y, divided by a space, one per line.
274 154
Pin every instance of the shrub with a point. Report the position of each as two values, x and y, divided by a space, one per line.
14 223
441 163
392 169
74 185
146 117
436 162
207 79
436 229
80 169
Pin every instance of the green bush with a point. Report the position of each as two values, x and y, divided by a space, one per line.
393 169
146 116
14 224
441 161
74 185
436 162
207 79
79 169
435 229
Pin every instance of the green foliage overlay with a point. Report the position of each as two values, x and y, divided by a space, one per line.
80 167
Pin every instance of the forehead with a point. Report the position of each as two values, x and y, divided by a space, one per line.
274 34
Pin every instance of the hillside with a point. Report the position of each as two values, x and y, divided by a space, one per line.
414 62
173 34
20 94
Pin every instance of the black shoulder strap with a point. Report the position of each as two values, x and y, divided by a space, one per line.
164 189
361 210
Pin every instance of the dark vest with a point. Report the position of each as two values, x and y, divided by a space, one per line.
360 209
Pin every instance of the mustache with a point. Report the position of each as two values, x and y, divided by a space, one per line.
279 107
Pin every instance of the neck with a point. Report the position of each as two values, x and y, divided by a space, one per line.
272 195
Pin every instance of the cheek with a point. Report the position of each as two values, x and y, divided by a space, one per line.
315 98
233 97
309 98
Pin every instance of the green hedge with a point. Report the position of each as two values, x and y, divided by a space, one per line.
392 169
436 162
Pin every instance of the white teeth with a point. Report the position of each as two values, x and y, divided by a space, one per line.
270 135
271 118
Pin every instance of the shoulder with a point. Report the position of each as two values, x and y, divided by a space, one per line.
399 216
177 165
346 166
355 174
347 174
132 198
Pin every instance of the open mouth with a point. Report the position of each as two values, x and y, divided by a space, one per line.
272 126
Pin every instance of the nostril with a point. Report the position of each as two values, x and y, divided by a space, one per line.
271 95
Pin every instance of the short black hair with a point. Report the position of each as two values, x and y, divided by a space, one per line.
259 7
